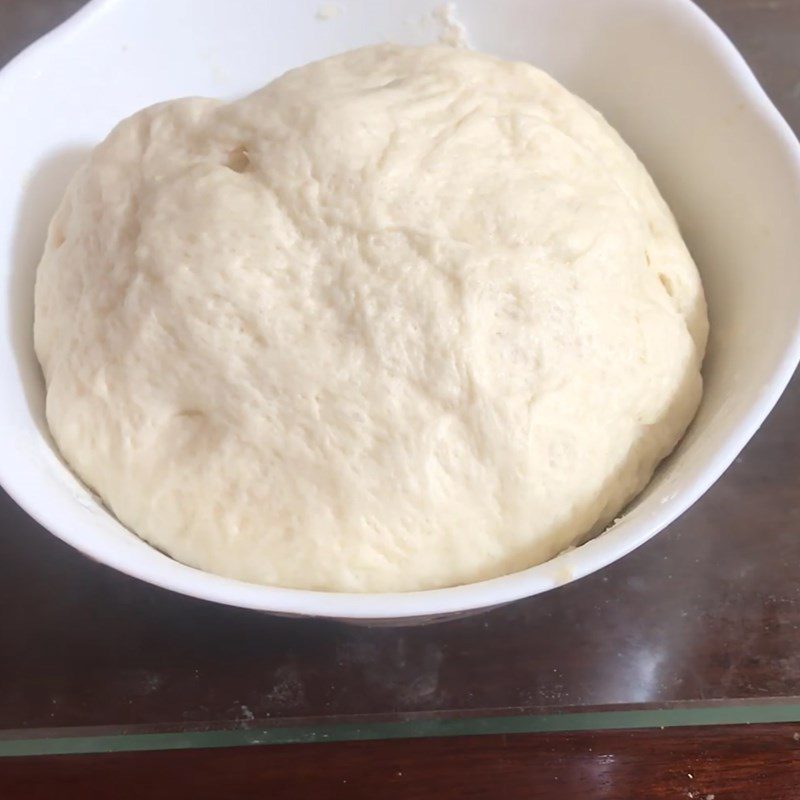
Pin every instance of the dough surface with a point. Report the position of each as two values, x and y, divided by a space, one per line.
404 318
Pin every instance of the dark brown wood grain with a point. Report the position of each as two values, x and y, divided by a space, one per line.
735 763
707 612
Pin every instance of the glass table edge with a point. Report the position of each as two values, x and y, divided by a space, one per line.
21 743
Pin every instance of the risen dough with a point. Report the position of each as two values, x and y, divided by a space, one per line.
404 318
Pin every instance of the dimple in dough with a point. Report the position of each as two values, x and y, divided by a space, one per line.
405 318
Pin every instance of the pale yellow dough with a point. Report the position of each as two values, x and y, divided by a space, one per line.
405 318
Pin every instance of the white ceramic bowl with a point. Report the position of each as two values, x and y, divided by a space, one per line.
661 72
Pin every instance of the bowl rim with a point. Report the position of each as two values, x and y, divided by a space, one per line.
563 568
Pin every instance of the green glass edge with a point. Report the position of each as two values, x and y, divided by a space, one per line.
552 723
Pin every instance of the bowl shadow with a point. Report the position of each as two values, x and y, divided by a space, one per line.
41 196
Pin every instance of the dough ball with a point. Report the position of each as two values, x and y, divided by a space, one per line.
404 318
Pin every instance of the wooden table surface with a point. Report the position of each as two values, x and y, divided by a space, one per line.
708 764
707 613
